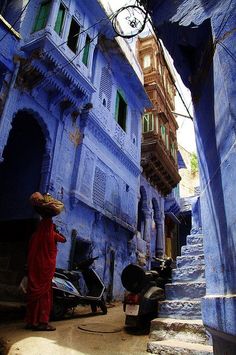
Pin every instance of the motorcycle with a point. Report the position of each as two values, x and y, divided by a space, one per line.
82 285
144 288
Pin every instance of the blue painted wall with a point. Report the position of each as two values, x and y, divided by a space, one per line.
84 157
201 38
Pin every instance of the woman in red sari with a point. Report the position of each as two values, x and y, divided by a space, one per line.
41 267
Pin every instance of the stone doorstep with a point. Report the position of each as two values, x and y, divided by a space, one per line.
175 347
190 331
190 273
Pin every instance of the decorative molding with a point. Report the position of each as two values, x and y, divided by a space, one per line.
106 140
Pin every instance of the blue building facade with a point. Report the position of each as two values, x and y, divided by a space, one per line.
200 36
71 126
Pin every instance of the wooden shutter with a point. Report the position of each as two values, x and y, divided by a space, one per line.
117 106
41 19
60 20
86 50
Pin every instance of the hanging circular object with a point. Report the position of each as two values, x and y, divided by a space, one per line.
129 21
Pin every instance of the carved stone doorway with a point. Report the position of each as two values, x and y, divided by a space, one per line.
20 176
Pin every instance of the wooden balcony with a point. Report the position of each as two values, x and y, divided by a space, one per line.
159 167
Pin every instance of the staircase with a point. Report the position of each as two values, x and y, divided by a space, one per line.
179 329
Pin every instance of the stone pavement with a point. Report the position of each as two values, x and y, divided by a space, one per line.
97 335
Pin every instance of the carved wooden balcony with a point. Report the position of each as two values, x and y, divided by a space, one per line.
159 167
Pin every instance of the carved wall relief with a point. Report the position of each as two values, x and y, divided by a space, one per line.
86 182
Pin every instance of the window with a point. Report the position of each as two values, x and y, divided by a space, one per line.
42 16
60 20
73 35
121 110
157 124
163 133
86 51
2 76
148 122
167 141
173 151
146 61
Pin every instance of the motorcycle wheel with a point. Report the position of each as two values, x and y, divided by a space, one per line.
58 310
103 306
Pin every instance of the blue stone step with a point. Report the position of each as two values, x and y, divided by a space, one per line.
187 260
180 309
173 347
190 331
196 249
194 239
185 290
188 274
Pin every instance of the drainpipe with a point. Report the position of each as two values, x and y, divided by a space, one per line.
11 85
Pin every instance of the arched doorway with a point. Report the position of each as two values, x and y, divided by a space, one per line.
20 176
141 216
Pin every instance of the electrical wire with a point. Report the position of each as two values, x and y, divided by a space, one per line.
227 50
79 33
59 68
224 22
17 19
173 82
158 42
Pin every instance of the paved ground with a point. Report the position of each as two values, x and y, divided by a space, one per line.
83 334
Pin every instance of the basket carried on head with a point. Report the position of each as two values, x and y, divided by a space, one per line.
46 205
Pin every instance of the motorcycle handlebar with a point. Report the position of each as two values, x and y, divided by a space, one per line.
158 259
85 263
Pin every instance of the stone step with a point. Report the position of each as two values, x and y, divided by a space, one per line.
187 260
180 309
196 273
173 347
185 290
190 331
195 249
194 239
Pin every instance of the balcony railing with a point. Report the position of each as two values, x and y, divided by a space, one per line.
158 157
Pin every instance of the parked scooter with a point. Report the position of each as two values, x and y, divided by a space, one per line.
144 290
79 286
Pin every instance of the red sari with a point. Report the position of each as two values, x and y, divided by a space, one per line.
41 267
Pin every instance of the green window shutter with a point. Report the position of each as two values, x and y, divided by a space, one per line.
151 122
117 106
172 149
145 123
157 124
86 51
163 132
60 20
120 110
167 142
41 19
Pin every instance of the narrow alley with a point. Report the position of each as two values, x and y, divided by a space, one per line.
81 334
